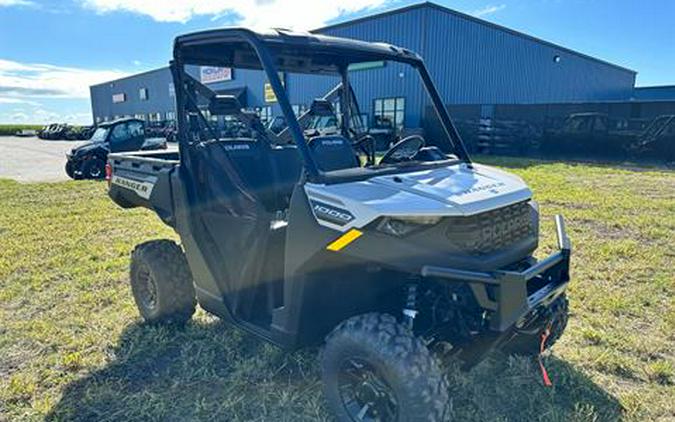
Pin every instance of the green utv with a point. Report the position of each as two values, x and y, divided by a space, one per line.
312 240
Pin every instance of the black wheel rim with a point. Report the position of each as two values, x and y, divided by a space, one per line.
365 394
95 171
148 288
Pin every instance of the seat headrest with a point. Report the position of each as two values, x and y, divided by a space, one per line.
333 152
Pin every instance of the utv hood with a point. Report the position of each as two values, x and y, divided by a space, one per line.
456 190
467 190
86 148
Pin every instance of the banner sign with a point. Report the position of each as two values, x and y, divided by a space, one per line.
268 92
210 74
119 98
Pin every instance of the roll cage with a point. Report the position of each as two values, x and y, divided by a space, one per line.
285 51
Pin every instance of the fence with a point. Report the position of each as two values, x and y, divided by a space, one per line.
635 130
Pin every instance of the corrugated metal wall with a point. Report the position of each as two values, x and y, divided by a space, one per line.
477 63
655 93
159 98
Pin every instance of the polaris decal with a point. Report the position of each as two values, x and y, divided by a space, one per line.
331 214
142 189
237 147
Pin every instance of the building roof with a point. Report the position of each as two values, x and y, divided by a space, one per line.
444 9
132 76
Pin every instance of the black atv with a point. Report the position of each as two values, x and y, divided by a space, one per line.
88 161
310 240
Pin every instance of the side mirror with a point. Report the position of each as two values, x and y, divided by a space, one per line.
224 105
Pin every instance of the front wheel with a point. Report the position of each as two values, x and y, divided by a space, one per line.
375 369
70 169
93 169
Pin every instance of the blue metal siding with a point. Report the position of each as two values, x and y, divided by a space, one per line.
159 99
474 63
655 93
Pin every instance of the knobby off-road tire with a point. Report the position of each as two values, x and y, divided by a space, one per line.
161 282
70 169
93 169
530 344
401 366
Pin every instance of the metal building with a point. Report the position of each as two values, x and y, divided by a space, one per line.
472 62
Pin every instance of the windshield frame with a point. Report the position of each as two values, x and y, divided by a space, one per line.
264 46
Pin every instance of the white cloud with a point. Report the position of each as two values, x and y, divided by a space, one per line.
8 100
488 10
295 14
19 81
6 3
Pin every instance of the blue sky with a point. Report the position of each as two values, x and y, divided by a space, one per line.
51 51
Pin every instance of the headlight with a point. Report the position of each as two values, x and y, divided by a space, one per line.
402 226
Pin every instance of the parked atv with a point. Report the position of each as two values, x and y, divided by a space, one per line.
55 131
88 161
312 241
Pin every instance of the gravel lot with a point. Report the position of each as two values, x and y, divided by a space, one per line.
34 160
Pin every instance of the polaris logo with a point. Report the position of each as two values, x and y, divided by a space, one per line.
331 214
237 147
332 142
142 189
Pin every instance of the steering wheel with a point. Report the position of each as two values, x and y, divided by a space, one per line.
366 144
403 150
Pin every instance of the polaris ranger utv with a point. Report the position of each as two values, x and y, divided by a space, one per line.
389 264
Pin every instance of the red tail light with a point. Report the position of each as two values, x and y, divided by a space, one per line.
108 173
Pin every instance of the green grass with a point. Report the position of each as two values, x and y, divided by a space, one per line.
10 130
72 346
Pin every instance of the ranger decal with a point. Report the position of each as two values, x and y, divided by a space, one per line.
142 189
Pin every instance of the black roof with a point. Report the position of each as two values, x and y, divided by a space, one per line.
120 120
301 52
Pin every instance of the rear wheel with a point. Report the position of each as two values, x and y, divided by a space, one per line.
93 169
374 369
162 283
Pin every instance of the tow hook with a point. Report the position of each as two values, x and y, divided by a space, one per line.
540 357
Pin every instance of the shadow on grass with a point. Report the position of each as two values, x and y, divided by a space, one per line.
210 371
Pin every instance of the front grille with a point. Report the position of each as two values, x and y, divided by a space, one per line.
491 231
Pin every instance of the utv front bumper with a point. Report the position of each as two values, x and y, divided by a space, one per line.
510 295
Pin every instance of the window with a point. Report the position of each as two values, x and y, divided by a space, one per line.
143 94
154 117
390 110
265 113
172 90
298 109
140 116
170 115
98 119
124 132
119 98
